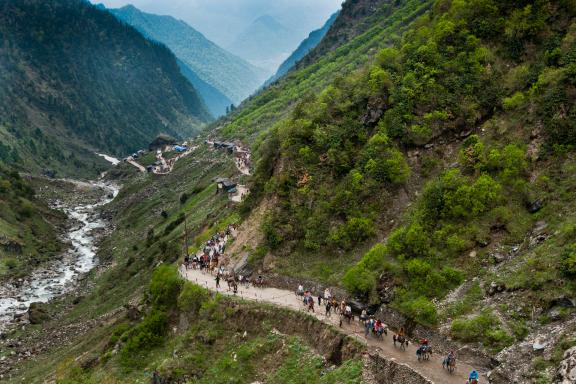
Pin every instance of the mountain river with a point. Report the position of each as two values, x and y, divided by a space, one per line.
60 276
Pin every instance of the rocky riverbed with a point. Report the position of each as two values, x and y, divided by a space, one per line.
80 201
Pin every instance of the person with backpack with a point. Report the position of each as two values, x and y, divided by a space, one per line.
328 308
473 378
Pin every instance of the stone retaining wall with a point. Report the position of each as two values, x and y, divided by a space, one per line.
378 370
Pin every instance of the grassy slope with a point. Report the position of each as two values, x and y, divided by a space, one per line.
131 259
26 221
260 112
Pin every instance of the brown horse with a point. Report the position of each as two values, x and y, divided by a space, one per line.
449 363
231 281
401 339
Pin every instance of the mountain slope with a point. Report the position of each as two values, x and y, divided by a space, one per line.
432 177
75 80
369 28
305 46
28 235
264 43
216 102
231 76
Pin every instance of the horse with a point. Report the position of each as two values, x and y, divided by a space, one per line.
449 363
400 339
349 316
258 282
345 315
424 352
231 281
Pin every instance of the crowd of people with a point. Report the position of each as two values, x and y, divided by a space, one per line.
211 253
373 326
243 161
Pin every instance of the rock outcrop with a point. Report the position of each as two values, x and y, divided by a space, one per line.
566 372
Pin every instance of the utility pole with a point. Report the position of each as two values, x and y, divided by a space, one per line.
186 233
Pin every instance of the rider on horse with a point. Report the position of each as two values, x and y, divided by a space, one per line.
449 360
424 349
379 328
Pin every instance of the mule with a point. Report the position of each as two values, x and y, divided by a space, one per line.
401 340
424 352
449 363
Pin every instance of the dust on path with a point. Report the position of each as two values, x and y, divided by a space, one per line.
431 369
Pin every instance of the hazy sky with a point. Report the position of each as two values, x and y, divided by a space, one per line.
221 20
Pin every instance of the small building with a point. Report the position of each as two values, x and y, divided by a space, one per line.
180 148
229 147
225 185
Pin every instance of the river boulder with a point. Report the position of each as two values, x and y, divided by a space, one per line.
38 313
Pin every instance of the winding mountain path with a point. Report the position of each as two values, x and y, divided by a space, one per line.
135 164
432 369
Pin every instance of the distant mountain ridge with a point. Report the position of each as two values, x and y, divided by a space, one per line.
75 80
305 46
221 77
265 43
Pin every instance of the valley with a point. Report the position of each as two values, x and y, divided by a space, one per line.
408 174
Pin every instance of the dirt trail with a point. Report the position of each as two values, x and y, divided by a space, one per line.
241 192
431 369
135 164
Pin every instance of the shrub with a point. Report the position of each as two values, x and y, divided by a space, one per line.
359 280
410 241
273 237
165 286
192 297
11 262
514 102
569 261
419 309
145 336
484 328
383 162
26 208
474 328
420 134
174 224
417 268
356 229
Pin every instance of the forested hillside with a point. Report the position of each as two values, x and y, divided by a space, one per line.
229 75
305 46
76 80
448 152
377 27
